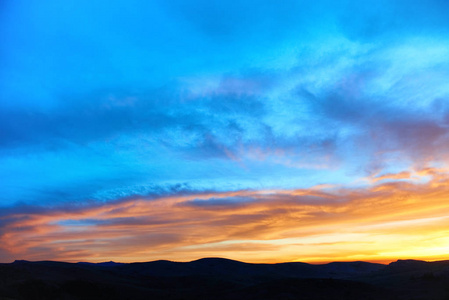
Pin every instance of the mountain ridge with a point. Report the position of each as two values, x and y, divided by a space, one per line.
220 278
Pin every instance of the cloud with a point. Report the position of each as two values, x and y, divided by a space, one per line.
283 219
222 203
205 117
314 116
401 175
113 116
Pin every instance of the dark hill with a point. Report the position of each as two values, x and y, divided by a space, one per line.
217 278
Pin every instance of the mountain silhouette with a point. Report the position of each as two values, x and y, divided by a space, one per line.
218 278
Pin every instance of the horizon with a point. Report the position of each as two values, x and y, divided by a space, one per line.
380 261
256 131
227 259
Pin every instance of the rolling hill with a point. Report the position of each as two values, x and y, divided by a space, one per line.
217 278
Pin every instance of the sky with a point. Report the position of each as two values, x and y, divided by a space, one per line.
261 131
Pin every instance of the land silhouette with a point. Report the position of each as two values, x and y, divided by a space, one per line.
223 279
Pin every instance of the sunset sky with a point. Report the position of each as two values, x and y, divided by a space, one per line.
261 131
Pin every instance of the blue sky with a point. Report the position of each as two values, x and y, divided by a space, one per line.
102 102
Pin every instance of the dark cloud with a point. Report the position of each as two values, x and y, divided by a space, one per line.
223 203
145 241
379 124
122 221
105 117
102 116
75 199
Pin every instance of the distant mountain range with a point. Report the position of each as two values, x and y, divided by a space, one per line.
217 278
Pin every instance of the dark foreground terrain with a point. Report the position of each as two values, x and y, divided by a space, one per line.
215 278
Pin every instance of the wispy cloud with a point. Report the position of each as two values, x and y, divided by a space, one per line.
277 223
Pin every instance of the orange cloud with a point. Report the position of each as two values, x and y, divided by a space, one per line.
383 222
401 175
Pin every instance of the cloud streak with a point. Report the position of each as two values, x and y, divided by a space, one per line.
270 225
